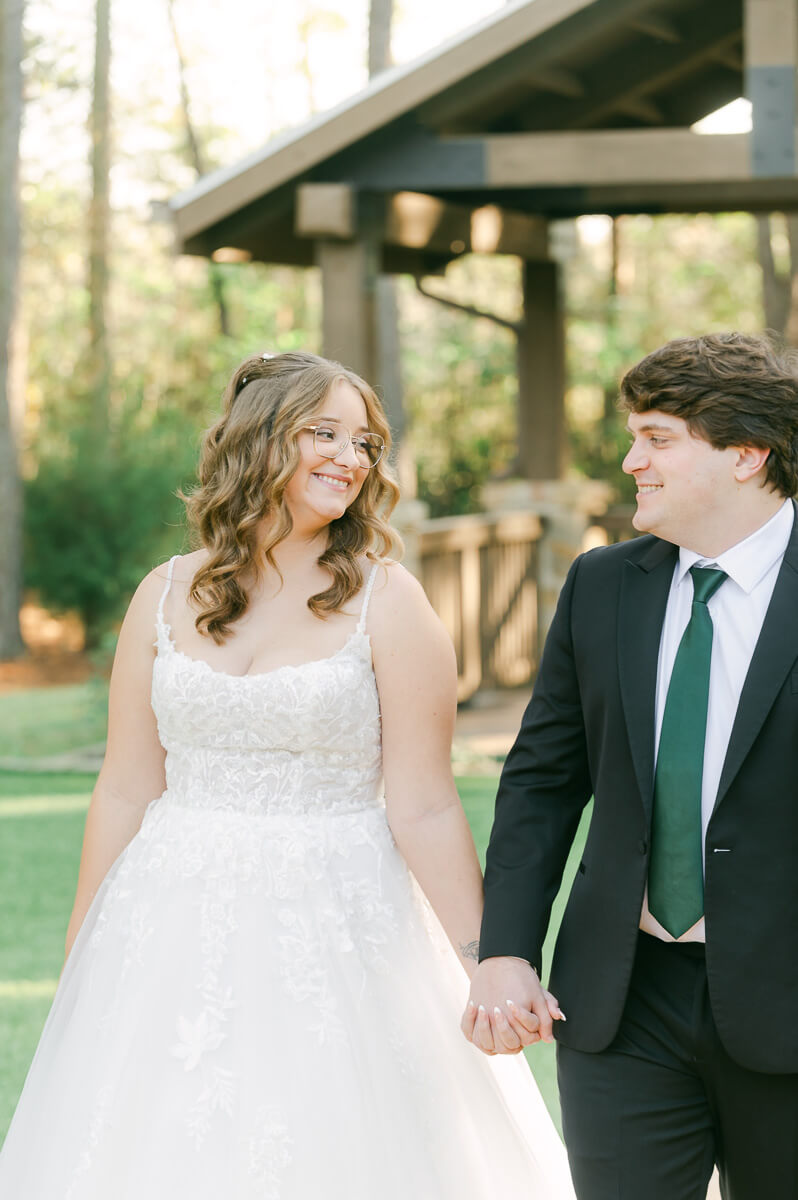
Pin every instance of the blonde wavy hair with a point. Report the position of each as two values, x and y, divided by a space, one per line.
247 458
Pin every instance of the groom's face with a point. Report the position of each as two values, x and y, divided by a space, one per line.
683 483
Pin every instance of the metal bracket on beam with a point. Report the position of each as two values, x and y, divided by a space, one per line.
771 90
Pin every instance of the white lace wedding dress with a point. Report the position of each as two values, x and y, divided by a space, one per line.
260 1004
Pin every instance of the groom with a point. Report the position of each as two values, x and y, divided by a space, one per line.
668 690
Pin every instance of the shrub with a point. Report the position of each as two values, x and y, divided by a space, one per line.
99 515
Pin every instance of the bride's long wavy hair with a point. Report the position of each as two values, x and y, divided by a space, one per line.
247 458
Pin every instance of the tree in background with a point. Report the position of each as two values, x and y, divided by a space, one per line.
99 224
779 274
11 12
198 161
660 278
379 45
389 355
170 361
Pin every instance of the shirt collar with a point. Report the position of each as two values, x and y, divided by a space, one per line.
749 561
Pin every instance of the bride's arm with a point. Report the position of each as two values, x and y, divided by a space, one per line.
132 773
416 672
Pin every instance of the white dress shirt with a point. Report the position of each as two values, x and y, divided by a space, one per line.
738 610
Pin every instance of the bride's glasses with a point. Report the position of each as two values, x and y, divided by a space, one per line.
331 439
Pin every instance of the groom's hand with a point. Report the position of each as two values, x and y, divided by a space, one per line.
508 1007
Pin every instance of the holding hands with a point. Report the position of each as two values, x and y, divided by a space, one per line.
508 1007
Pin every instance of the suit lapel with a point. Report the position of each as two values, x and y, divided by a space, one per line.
641 610
774 655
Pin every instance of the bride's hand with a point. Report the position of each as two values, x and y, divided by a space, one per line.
508 1007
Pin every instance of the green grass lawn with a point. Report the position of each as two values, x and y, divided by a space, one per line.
37 722
41 827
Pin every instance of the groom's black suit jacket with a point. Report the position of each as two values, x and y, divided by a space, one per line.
589 729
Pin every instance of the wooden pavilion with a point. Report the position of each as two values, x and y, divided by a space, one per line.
547 109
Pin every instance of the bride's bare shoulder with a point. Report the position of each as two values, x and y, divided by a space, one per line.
187 565
398 595
147 597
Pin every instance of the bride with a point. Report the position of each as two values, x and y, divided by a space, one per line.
258 1000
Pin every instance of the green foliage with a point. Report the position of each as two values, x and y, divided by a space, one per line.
460 384
674 276
99 516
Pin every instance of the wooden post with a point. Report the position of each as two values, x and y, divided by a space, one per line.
771 42
541 375
348 283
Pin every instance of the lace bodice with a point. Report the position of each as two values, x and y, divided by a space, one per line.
294 740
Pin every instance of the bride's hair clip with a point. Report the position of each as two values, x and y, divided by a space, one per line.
264 358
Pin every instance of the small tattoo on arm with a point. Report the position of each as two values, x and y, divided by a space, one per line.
470 951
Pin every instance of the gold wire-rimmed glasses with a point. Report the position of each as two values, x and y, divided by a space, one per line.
331 439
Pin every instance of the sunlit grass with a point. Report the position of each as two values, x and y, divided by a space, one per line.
27 989
38 806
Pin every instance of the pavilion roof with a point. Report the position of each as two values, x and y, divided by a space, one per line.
546 108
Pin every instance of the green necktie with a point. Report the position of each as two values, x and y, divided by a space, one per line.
675 873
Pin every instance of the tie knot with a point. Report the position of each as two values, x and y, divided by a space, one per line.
706 581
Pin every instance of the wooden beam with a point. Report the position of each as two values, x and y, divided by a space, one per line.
727 56
642 109
541 160
325 210
484 89
655 69
729 195
562 83
771 53
771 30
615 157
657 27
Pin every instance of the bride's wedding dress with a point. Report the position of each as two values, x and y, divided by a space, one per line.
260 1005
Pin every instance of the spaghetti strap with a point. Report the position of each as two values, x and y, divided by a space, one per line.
361 625
165 592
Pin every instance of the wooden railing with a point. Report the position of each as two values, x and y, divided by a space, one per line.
481 576
617 523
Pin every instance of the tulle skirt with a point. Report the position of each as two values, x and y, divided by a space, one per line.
265 1007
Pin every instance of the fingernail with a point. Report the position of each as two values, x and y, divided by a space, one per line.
510 1003
482 1010
497 1011
471 1004
561 1015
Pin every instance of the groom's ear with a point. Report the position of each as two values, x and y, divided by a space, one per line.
750 461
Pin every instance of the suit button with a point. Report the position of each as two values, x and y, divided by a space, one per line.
642 846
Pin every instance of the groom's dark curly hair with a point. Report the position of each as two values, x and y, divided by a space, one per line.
732 389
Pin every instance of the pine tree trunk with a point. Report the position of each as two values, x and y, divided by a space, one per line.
10 484
215 276
99 224
791 317
380 19
775 289
389 355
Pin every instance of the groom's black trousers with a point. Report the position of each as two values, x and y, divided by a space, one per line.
647 1118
